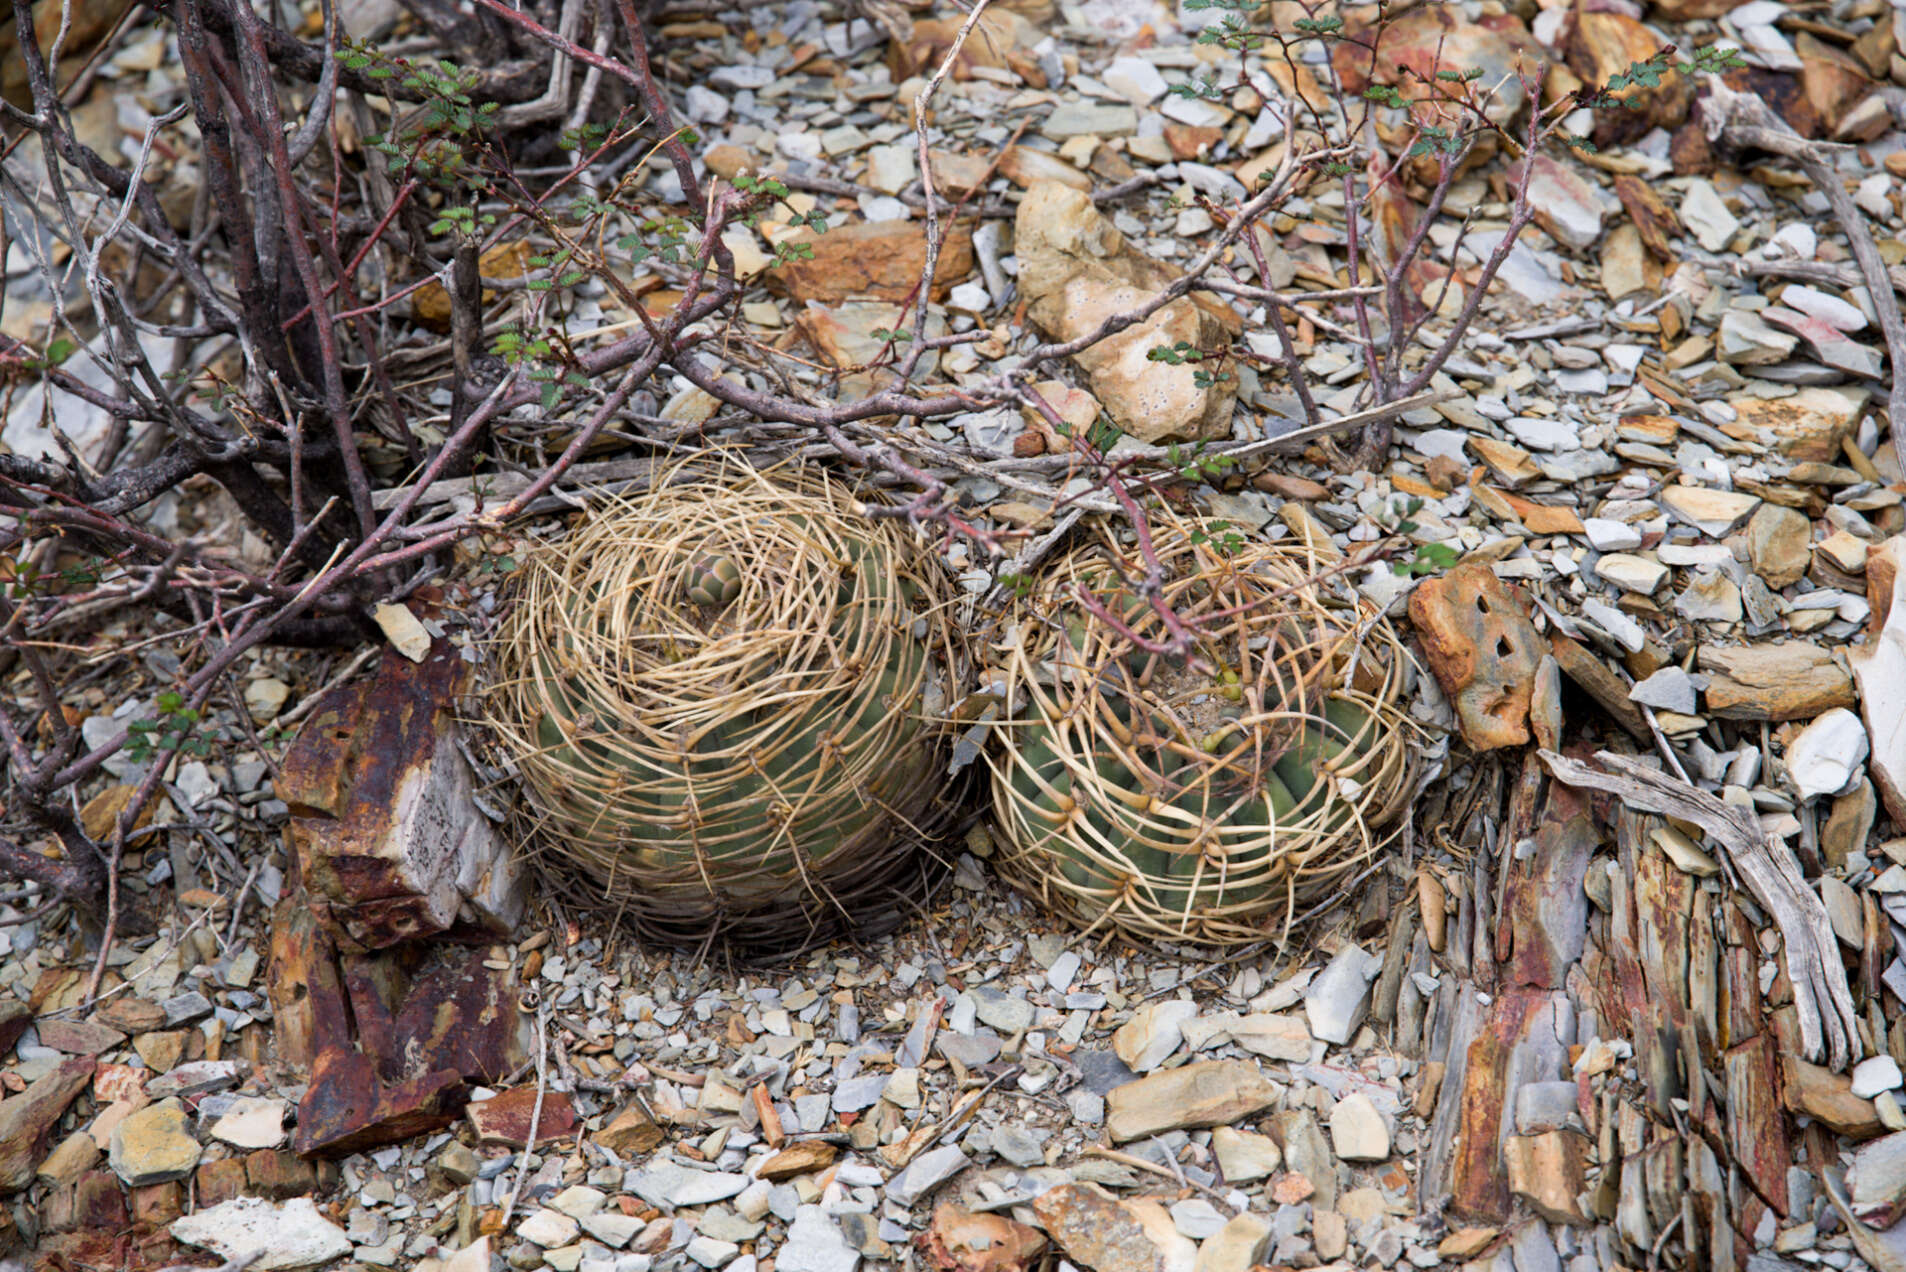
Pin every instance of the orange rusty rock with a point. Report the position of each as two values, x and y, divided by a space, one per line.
390 844
348 1108
1600 46
1484 651
877 260
961 1241
505 1120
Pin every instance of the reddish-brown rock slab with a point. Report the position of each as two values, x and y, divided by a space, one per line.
1544 928
1484 651
93 1201
348 1108
27 1120
309 1009
278 1173
218 1181
461 1015
505 1120
390 843
1756 1128
78 1037
960 1241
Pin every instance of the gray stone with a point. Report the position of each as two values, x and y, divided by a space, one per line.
1001 1010
1336 1002
815 1244
928 1171
1669 689
1101 1071
667 1185
1089 119
1546 1106
1018 1145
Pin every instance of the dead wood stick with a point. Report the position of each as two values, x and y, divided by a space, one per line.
1829 1027
1741 119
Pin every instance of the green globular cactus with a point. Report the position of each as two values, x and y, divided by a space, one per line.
712 580
1201 796
720 749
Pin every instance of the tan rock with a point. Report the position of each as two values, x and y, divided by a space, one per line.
874 260
1237 1246
1210 1093
1843 551
1827 1097
1780 680
1026 167
1809 425
803 1157
1466 1243
76 1155
1716 513
632 1133
1330 1233
1076 270
1358 1132
1244 1156
1483 649
1777 544
1511 464
1548 1172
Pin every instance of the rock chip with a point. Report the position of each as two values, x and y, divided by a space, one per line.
1337 1000
1826 754
1245 1156
154 1145
1779 680
1075 271
927 1172
815 1243
1208 1093
1777 540
289 1234
1358 1132
252 1122
1153 1033
1875 1074
1236 1247
1717 513
1876 1184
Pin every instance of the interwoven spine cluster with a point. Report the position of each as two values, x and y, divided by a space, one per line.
722 698
1204 799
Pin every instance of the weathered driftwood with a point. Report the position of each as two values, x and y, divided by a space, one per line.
1822 997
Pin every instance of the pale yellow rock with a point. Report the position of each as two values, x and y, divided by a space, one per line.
1076 270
